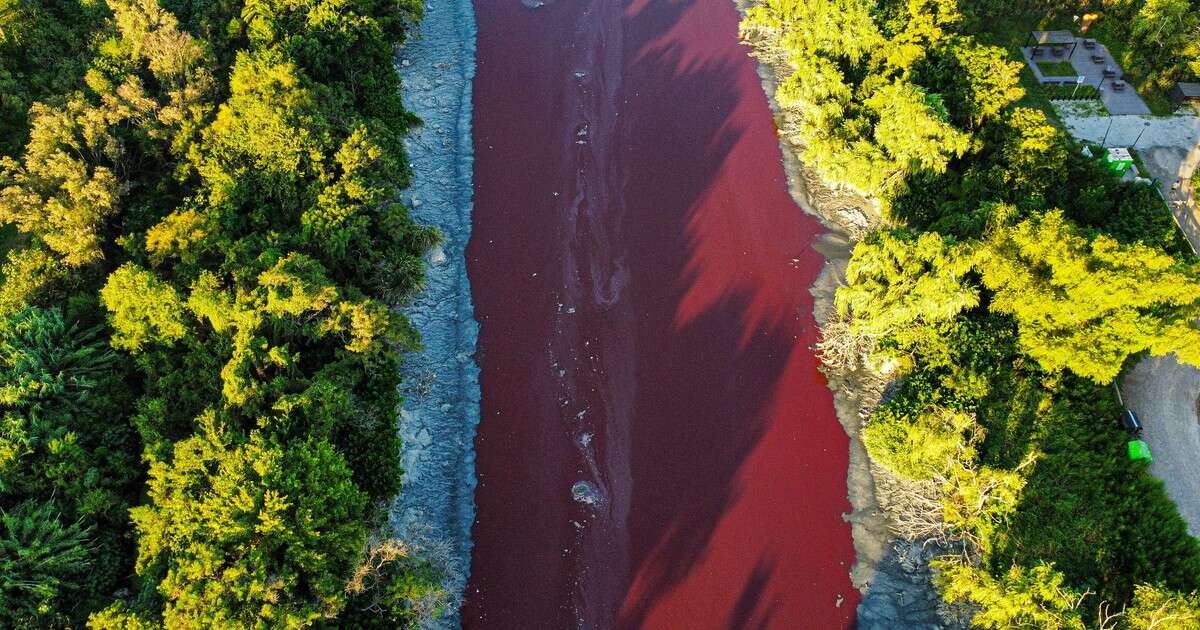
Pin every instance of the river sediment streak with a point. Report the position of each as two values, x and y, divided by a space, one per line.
657 448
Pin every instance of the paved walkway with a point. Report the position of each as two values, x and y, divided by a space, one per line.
1119 103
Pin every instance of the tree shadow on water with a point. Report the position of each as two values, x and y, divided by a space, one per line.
734 465
725 376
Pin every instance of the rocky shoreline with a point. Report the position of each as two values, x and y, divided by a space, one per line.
440 412
892 573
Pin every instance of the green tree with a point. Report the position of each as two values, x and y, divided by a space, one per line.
393 588
142 309
902 287
43 54
59 392
923 444
983 80
1087 304
848 103
1158 608
1021 597
63 438
61 197
250 534
1163 41
977 502
42 563
913 128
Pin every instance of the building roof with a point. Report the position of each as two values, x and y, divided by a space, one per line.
1190 90
1050 38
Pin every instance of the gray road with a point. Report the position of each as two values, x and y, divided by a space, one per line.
1164 394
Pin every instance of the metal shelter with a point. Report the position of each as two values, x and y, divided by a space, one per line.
1053 39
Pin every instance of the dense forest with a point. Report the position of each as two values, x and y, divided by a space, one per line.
198 346
1013 279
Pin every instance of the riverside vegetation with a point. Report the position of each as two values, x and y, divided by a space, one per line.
1012 281
198 350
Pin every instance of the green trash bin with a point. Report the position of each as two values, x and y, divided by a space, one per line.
1138 451
1119 160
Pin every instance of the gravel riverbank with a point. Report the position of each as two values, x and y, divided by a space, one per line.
441 382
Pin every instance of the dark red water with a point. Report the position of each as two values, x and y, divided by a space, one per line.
641 276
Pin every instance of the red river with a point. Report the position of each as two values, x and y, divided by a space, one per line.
641 277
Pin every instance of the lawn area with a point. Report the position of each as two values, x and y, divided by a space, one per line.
1057 69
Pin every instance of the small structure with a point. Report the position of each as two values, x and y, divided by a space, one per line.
1139 451
1185 93
1055 40
1119 160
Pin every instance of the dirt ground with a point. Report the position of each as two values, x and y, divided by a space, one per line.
1164 395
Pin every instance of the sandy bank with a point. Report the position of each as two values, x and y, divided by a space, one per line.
441 382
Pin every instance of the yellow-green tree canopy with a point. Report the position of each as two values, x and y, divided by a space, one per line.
1022 597
1087 304
901 285
1158 608
253 534
871 129
923 445
142 309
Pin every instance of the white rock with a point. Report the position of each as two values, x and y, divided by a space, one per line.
586 493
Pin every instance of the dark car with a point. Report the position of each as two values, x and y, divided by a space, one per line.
1129 421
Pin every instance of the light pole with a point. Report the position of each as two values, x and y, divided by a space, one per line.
1144 128
1104 142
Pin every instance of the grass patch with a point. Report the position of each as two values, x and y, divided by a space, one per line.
1157 100
1057 69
